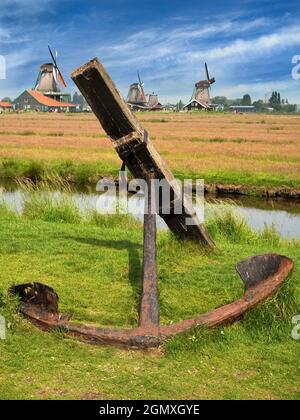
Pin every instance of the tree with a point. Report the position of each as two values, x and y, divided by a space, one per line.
76 98
6 99
236 102
247 101
289 109
220 100
180 105
275 101
260 106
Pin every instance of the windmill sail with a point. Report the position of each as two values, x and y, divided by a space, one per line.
59 75
141 88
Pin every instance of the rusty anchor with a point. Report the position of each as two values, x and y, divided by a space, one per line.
262 275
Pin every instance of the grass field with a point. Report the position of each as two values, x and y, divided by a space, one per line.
253 150
95 267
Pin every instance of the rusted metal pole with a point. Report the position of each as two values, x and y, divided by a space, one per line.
149 311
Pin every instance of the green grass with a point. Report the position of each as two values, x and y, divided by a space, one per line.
156 120
219 140
95 265
253 182
77 173
18 133
89 173
48 134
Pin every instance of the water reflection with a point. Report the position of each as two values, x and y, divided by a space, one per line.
284 215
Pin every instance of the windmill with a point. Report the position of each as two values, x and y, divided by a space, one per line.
49 79
201 95
136 98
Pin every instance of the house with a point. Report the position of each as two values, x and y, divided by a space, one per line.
5 106
242 109
194 104
34 100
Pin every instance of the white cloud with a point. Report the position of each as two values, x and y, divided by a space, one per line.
157 43
257 88
247 49
172 60
170 57
4 34
182 45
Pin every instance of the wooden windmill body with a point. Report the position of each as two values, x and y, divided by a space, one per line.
139 101
136 98
49 79
201 96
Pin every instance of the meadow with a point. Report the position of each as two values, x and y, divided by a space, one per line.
249 150
96 269
94 262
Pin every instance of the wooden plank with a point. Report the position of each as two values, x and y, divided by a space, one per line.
129 139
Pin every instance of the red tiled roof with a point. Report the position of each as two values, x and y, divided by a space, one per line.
5 104
45 100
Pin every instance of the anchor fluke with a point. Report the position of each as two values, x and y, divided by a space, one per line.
261 268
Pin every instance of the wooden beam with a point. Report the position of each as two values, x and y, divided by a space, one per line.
132 143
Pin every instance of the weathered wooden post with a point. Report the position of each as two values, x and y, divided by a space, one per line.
149 311
134 147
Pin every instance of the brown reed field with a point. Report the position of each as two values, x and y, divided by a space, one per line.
254 149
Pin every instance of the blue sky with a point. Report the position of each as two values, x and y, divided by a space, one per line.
248 44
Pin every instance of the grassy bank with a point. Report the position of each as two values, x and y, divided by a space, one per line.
88 174
80 174
95 266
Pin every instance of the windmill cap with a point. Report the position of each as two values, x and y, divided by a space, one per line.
47 66
203 84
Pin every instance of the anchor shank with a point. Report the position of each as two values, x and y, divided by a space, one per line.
149 313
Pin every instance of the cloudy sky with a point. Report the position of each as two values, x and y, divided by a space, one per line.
248 44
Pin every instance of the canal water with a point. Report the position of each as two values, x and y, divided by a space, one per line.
282 214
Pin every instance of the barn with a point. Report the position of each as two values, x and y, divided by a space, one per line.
194 104
241 109
5 106
34 100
